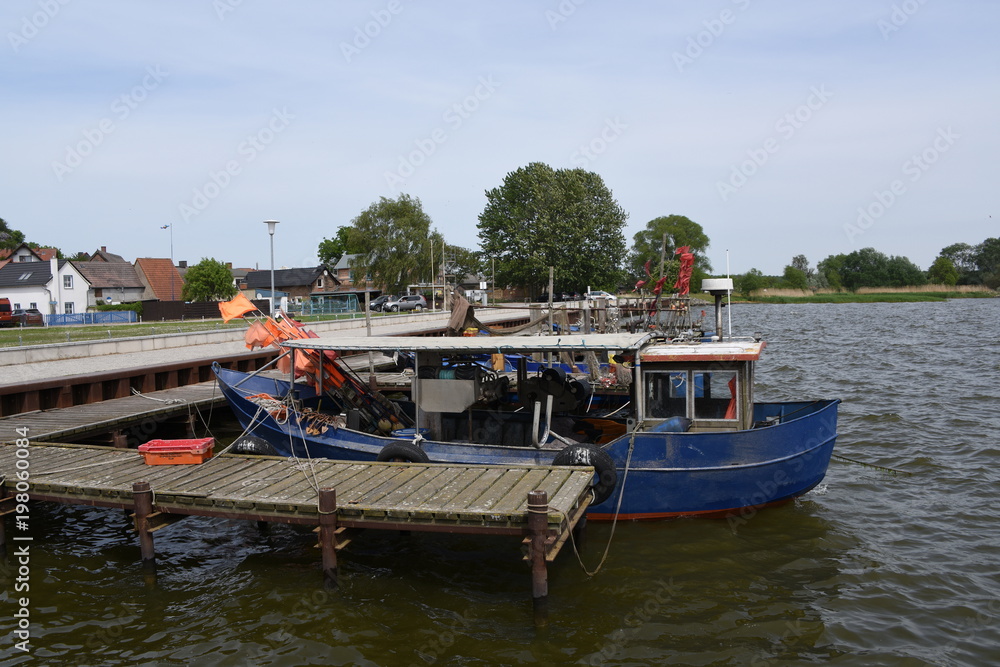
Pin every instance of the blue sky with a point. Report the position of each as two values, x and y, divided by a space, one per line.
783 128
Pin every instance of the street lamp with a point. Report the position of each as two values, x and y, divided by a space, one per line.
270 230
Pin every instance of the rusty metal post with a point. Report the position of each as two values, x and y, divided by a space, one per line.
328 534
538 523
142 499
119 439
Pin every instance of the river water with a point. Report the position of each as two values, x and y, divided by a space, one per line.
871 568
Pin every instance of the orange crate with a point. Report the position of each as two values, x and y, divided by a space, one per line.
173 452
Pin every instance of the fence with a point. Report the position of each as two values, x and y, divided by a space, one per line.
104 317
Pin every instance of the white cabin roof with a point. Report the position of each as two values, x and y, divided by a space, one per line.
474 344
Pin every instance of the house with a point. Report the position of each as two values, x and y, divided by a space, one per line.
298 284
343 271
25 253
161 279
111 281
103 255
53 287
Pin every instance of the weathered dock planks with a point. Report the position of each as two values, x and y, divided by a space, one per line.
115 415
497 500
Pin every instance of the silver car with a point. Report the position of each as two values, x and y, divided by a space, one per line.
414 302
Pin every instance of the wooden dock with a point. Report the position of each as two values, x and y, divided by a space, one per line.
541 504
127 419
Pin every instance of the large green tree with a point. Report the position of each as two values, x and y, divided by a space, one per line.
391 241
9 238
870 268
208 280
987 258
331 250
679 231
564 218
943 272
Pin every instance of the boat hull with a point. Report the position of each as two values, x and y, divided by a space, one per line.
660 475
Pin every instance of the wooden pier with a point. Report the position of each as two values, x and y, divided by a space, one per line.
541 505
129 420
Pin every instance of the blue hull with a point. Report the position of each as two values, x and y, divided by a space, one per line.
718 474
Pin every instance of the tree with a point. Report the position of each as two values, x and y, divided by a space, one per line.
391 241
749 282
904 273
830 269
987 258
208 280
331 250
680 231
802 264
943 272
541 217
795 278
963 256
9 238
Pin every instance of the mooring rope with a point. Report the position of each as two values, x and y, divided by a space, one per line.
618 506
168 401
887 469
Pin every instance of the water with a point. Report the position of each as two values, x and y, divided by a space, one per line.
870 568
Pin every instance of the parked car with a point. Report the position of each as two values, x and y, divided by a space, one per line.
544 297
600 294
380 302
28 317
414 302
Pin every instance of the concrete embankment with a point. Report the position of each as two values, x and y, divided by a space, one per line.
38 362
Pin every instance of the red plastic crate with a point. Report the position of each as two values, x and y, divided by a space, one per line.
173 452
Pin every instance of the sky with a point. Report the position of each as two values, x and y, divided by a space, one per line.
163 129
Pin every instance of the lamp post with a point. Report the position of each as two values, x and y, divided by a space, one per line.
172 269
270 230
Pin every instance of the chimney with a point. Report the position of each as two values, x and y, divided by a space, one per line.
182 264
104 248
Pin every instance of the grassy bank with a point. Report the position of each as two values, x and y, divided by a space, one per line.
17 336
875 297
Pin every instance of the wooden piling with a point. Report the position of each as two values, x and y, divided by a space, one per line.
142 499
538 509
328 534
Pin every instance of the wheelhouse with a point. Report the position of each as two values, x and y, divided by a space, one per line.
710 384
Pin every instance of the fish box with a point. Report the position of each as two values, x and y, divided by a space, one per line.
173 452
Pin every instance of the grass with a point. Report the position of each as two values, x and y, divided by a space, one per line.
18 336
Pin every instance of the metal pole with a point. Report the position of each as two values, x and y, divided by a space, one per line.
270 230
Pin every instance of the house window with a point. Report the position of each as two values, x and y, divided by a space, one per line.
714 395
67 282
319 282
68 308
33 305
17 306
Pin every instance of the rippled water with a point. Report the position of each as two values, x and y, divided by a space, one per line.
871 568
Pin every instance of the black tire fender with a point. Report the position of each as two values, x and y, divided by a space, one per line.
403 450
605 477
253 444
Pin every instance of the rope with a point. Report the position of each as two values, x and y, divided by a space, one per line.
614 522
168 401
893 471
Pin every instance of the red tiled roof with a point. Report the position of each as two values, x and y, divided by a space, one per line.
158 273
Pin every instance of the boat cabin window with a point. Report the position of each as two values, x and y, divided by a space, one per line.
695 394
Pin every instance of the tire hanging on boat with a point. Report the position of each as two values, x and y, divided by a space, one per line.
605 477
253 444
404 451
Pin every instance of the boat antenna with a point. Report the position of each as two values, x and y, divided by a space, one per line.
729 296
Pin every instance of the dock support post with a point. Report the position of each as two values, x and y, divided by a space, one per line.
538 522
328 534
142 498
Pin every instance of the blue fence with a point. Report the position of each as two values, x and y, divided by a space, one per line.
104 317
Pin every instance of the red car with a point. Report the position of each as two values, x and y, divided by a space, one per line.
28 317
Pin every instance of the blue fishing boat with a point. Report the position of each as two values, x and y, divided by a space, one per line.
678 434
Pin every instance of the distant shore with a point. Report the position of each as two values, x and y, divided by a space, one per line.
895 296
